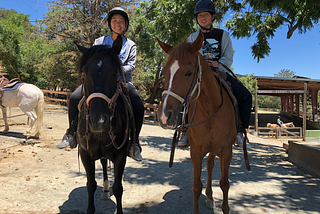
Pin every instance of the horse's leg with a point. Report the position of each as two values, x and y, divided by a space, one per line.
197 185
225 161
105 195
39 113
89 166
5 119
33 119
210 166
117 188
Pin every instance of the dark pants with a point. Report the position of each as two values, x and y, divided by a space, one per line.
244 99
137 105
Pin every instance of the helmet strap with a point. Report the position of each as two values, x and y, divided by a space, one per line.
118 33
204 28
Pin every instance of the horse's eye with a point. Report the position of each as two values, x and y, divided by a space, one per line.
188 74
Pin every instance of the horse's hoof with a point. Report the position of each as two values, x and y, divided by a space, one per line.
210 204
105 195
5 131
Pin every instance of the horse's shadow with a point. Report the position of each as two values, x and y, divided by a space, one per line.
13 134
77 202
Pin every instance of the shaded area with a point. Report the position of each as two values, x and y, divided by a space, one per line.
273 185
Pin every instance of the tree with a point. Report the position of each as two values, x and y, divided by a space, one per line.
269 102
262 18
170 21
82 21
20 46
285 73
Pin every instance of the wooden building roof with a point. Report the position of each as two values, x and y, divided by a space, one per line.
280 83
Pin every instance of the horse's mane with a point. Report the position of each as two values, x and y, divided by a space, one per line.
181 52
96 51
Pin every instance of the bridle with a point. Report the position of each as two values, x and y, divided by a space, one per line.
111 106
186 101
194 86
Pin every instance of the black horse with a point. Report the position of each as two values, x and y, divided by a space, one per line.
103 127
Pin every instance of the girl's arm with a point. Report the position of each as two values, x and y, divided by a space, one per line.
226 51
129 65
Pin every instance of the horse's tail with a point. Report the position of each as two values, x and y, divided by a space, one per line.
39 109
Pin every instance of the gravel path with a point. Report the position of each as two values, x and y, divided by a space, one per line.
36 177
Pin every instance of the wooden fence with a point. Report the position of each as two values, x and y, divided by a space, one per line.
150 109
289 132
66 100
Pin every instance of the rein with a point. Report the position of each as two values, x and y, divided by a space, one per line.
214 113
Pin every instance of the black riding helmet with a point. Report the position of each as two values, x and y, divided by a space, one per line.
122 12
204 6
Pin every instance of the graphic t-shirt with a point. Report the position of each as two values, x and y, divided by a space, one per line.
211 47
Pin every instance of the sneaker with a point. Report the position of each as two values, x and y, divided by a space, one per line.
239 141
135 155
183 142
67 141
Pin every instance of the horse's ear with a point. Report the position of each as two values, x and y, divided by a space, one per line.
117 44
81 48
165 47
197 44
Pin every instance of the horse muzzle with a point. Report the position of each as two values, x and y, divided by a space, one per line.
169 119
98 123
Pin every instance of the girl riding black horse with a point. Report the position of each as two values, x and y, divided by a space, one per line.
118 22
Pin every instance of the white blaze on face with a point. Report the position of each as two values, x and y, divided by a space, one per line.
99 64
173 69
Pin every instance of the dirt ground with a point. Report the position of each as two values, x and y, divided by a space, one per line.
36 177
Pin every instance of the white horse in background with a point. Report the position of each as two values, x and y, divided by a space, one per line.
30 99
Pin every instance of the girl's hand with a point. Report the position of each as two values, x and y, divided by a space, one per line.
213 64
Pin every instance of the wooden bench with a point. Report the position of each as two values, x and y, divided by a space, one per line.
150 110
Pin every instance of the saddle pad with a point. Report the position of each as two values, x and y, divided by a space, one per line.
14 88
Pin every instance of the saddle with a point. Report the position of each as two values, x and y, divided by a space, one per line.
6 84
226 85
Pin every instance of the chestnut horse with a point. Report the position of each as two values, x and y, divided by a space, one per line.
191 84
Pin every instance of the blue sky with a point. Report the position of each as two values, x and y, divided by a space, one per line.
300 53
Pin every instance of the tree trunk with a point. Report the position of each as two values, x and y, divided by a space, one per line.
156 85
